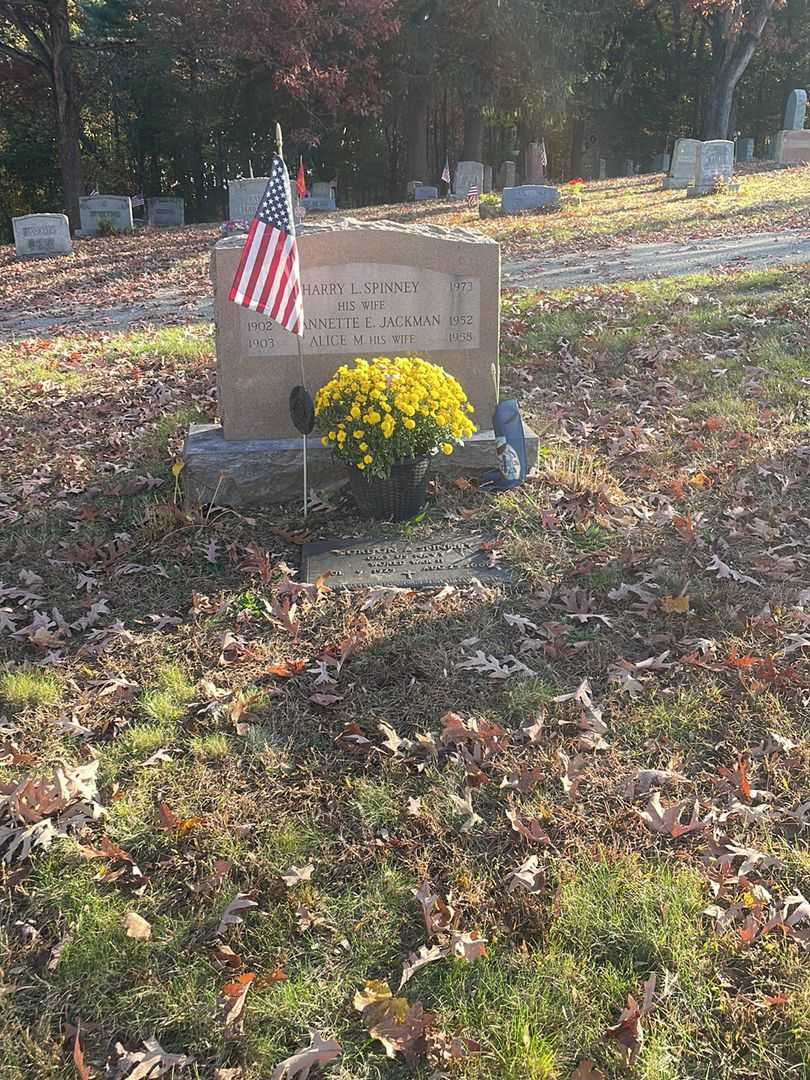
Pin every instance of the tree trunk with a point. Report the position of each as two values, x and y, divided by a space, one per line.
731 53
473 131
416 127
68 118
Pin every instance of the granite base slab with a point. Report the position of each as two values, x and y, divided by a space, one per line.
253 472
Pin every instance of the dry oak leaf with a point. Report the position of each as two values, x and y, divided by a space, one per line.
667 821
231 1002
468 946
529 876
320 1052
397 1024
146 1064
586 1071
170 822
231 915
296 874
437 915
529 828
419 960
78 1058
136 926
675 605
627 1030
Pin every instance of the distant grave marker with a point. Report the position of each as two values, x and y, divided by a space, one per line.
714 164
96 209
682 169
41 234
166 211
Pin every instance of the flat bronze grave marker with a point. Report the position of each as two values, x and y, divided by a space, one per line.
409 564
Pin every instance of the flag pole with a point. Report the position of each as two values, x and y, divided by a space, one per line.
280 149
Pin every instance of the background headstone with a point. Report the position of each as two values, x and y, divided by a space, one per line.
425 191
535 167
117 209
682 168
795 110
793 147
714 161
507 174
602 169
165 210
243 197
487 179
410 190
516 200
369 289
629 167
41 234
468 174
321 196
745 149
661 163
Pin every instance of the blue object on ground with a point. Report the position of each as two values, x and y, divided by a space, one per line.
510 448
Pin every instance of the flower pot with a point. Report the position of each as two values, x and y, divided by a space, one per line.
399 497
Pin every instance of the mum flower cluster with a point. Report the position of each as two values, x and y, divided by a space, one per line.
386 410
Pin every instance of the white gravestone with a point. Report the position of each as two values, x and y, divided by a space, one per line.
41 234
244 196
115 209
165 210
714 164
795 110
682 169
469 174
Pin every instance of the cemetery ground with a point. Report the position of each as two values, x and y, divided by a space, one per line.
272 794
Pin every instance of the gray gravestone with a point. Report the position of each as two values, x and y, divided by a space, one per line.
115 209
507 174
41 234
517 200
469 174
795 110
487 179
745 150
793 147
661 163
714 164
243 197
411 187
602 169
410 564
321 196
425 191
682 169
165 210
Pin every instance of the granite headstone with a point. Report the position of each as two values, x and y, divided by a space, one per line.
41 234
793 147
714 164
795 110
243 197
165 210
469 174
116 210
682 168
527 197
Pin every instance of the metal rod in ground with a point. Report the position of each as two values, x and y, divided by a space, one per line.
306 490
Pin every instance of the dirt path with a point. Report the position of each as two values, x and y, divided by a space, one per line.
632 263
673 259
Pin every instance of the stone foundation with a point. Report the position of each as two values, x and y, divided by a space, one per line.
247 472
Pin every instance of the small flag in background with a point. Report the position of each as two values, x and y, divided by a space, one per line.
301 180
446 171
471 197
268 277
137 200
543 158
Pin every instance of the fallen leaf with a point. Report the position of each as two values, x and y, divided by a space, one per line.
627 1031
675 605
296 874
320 1052
231 915
146 1064
529 876
136 926
586 1071
82 1071
397 1024
231 1002
417 960
467 946
529 828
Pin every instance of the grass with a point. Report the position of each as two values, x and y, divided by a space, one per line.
674 429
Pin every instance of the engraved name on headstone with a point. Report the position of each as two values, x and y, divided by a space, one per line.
243 197
434 561
714 164
41 234
165 210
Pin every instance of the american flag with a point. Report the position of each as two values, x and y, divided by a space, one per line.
446 171
268 278
471 197
543 157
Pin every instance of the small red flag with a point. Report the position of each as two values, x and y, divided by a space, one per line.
300 180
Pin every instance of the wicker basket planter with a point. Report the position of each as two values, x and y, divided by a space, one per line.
399 497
